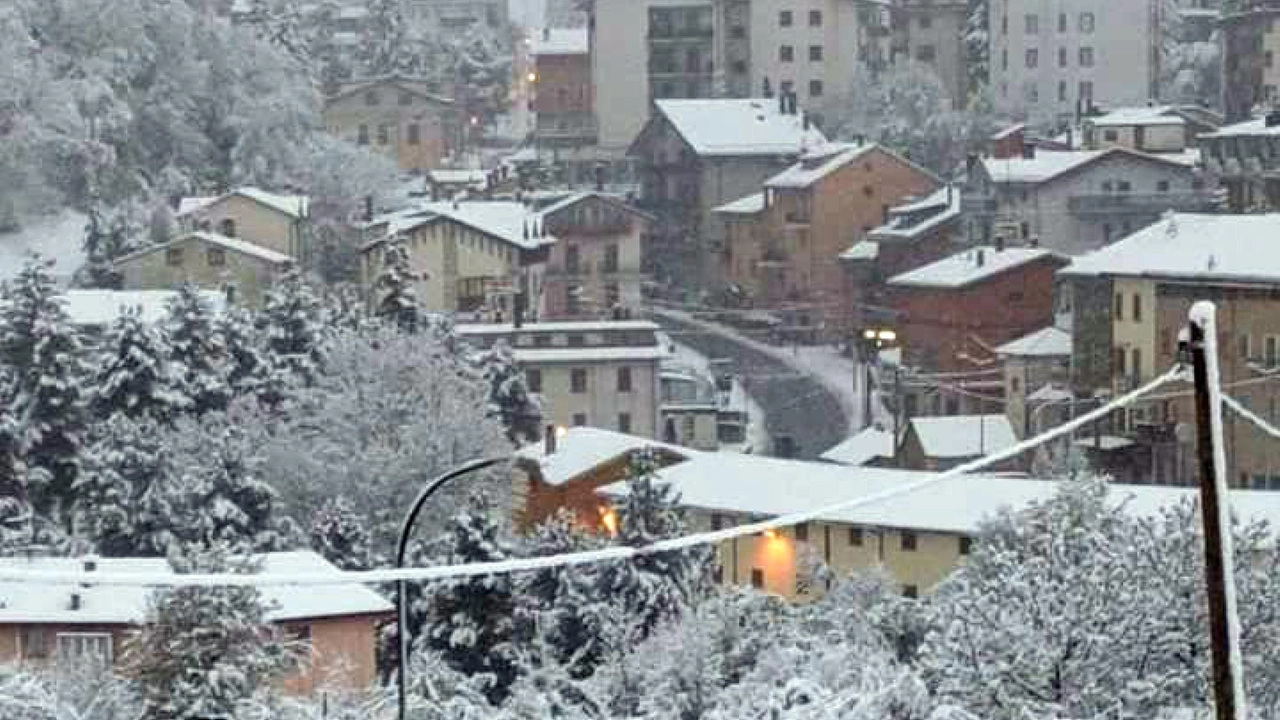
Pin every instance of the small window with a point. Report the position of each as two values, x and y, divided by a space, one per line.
173 257
384 135
1033 58
1111 135
215 257
757 578
624 379
1086 57
815 88
227 228
855 537
1032 24
1062 22
84 648
910 591
786 53
1086 22
578 381
1137 307
802 532
1246 349
909 541
785 18
815 53
926 53
624 422
925 22
362 135
1162 186
1136 368
717 521
414 134
1272 351
815 18
534 379
966 545
1062 57
1119 306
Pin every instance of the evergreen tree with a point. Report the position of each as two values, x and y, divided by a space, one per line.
561 605
470 621
399 303
977 43
105 239
656 587
197 350
122 465
135 375
202 652
509 397
246 369
292 330
41 352
339 534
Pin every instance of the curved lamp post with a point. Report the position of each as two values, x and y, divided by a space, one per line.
402 610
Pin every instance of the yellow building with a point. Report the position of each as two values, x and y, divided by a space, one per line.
275 222
396 117
208 260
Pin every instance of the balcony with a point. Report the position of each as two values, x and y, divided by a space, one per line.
659 33
975 204
1137 203
796 217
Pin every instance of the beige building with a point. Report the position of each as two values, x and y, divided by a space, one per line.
275 222
67 626
470 257
397 117
208 260
594 374
1156 129
1036 369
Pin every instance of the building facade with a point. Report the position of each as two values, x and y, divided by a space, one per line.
275 222
209 261
931 33
809 47
1244 160
596 267
395 117
1250 40
563 92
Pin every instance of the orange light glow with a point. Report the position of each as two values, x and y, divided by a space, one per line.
609 519
771 534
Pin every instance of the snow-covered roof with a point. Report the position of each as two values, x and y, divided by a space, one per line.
1050 393
508 221
1009 131
871 444
865 250
818 162
1149 116
963 436
1255 127
574 198
582 448
739 127
558 41
970 266
913 219
292 205
234 244
749 205
1239 248
33 601
1046 165
760 486
474 176
1047 342
588 326
102 307
538 356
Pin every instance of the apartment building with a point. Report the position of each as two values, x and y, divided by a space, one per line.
589 374
1250 42
931 33
1157 129
1053 59
396 117
562 88
596 267
809 47
1130 300
1243 159
458 15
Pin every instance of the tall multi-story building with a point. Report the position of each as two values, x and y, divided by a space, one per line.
1250 41
931 33
1051 59
809 47
562 88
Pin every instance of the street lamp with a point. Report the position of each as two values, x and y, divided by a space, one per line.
402 610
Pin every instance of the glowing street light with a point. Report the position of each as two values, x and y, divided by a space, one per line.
532 77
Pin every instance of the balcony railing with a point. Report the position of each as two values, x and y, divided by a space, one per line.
1119 203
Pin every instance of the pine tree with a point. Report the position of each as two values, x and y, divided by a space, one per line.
197 350
122 465
340 536
104 241
399 303
202 652
292 330
246 369
41 352
470 621
656 587
509 397
134 374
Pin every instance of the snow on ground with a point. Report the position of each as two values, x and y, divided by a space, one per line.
56 236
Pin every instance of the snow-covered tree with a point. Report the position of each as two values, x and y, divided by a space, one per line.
134 375
197 350
398 303
977 45
105 239
1190 65
246 369
292 331
339 534
470 622
386 49
123 464
205 652
69 694
510 399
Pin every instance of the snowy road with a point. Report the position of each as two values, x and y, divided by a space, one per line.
796 404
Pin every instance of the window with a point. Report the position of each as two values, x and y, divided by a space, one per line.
1162 186
1123 186
578 381
1032 23
371 98
802 532
815 53
910 591
579 419
572 260
611 259
1086 91
1062 22
534 379
406 99
1135 369
786 86
384 135
1062 57
1004 60
1014 384
576 340
1137 307
786 53
815 88
1271 349
717 521
1086 22
909 541
1004 24
624 379
1033 58
414 136
855 537
77 648
757 578
966 545
784 18
815 18
173 257
624 422
215 257
925 22
1086 57
362 135
1119 306
1062 91
926 53
34 642
1119 356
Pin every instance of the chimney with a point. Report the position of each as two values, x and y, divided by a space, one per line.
981 257
368 208
76 601
549 441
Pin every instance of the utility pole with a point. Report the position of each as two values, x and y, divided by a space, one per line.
1224 630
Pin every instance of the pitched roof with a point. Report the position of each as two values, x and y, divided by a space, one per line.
103 307
500 219
1255 127
1221 248
473 176
749 205
400 83
971 266
963 436
871 444
864 250
913 219
1154 115
558 41
821 160
584 448
739 127
1049 165
574 198
34 601
292 205
1047 342
232 244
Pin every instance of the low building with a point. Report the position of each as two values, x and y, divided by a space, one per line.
208 260
64 625
939 443
1244 159
596 267
951 315
275 222
1034 367
690 408
1156 129
397 117
1129 302
874 446
448 184
596 374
